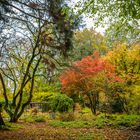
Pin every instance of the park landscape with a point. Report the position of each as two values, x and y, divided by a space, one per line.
60 79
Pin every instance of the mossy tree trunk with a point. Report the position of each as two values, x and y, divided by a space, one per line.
93 99
1 119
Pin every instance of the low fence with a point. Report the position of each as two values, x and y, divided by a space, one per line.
43 106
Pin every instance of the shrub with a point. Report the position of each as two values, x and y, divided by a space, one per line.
42 96
67 117
77 107
34 118
86 110
61 103
11 126
127 120
34 111
39 119
44 92
73 124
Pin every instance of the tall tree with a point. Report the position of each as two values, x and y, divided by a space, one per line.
127 60
87 41
89 77
39 31
121 17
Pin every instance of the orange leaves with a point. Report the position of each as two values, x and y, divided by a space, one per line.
89 73
68 76
91 65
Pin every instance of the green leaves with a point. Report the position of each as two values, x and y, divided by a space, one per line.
61 103
116 15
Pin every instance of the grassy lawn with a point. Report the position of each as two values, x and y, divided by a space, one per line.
81 127
45 131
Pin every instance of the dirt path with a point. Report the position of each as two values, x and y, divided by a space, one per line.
43 131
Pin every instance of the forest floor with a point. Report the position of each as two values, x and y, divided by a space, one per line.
45 131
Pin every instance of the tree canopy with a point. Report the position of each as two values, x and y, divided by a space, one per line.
121 17
39 32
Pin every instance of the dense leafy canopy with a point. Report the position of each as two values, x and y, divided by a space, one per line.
128 67
121 17
89 77
88 68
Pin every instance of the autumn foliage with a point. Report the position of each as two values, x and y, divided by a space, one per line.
89 77
84 72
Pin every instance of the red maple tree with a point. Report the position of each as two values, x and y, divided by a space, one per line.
89 76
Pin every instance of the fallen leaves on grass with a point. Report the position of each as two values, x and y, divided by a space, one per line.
44 131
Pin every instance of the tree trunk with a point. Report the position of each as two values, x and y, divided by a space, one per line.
13 119
123 103
1 120
92 105
93 109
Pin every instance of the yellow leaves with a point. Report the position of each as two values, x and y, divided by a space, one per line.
123 55
127 61
134 53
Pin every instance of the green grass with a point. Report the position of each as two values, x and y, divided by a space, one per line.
86 120
127 120
72 124
101 121
34 118
90 136
11 126
78 129
98 122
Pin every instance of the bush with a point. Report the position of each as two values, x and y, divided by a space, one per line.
33 118
86 110
11 126
73 124
117 120
42 96
127 120
67 117
39 119
44 92
61 103
100 121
